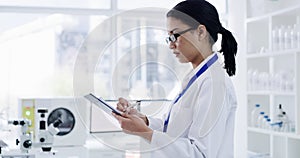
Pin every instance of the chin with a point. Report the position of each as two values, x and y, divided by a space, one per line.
183 61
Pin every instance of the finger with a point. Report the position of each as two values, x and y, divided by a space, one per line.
118 116
120 107
123 101
126 115
127 110
123 104
133 111
121 120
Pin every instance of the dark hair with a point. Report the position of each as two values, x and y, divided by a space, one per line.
196 12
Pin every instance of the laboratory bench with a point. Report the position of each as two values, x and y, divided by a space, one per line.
104 145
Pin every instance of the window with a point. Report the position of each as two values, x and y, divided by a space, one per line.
90 4
40 42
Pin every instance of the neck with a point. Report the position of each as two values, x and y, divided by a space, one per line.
200 59
196 63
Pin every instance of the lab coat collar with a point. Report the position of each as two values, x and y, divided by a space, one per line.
195 70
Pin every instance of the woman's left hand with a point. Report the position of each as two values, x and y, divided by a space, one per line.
132 124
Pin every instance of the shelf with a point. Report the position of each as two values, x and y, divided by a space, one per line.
273 54
258 18
253 154
267 15
265 86
271 93
258 130
274 133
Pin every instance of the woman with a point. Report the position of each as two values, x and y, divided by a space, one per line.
200 122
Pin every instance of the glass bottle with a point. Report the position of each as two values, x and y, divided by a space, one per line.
297 31
285 122
294 37
275 39
287 38
281 37
267 123
254 115
264 122
260 119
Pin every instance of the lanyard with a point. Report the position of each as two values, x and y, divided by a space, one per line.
192 80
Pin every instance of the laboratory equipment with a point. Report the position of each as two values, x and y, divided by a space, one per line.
25 140
282 122
2 145
285 122
287 37
59 125
279 115
55 125
264 122
254 115
297 32
275 39
260 119
46 135
268 124
276 126
73 112
281 37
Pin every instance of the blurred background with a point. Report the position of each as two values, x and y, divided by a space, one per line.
45 49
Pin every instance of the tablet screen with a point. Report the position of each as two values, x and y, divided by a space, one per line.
102 104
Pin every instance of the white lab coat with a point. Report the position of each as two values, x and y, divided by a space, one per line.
201 123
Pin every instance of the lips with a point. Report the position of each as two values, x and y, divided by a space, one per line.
176 53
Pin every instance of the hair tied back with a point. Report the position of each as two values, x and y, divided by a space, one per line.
222 30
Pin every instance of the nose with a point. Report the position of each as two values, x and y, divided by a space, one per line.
172 45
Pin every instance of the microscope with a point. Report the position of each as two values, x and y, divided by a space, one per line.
25 140
45 136
46 133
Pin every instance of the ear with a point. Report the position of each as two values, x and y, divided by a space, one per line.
202 32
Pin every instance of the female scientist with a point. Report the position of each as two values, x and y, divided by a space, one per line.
200 121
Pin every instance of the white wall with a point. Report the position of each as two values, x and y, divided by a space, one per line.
236 18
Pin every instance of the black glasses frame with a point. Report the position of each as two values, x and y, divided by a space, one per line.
173 37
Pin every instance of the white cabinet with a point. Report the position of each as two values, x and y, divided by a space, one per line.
273 73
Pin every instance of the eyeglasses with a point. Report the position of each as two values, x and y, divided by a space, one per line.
173 37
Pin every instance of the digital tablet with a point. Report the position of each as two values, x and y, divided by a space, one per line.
102 104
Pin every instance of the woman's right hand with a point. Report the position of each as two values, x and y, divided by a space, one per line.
123 105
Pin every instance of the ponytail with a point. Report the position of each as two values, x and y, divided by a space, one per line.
228 49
